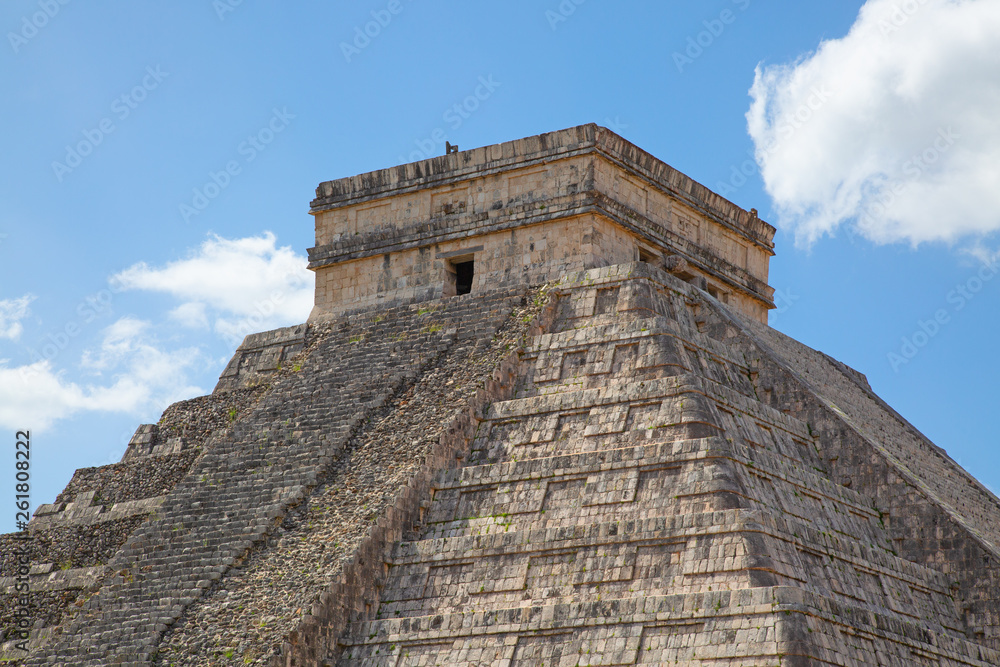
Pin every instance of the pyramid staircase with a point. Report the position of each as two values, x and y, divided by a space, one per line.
151 558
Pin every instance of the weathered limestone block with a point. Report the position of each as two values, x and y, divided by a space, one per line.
260 355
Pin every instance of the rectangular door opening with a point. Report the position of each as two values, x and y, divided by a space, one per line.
464 272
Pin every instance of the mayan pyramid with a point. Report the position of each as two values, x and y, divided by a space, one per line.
536 417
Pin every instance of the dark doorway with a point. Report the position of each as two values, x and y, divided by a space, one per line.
464 272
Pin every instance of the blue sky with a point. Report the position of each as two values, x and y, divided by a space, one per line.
158 162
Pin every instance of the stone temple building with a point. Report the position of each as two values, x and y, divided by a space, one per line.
536 417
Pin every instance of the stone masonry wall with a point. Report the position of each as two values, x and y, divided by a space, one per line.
645 478
936 513
542 252
260 355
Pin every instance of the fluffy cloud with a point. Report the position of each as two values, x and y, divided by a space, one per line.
891 129
12 311
141 377
248 284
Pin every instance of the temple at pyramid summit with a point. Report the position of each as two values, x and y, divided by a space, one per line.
536 417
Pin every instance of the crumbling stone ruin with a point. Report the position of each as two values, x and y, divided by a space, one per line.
536 417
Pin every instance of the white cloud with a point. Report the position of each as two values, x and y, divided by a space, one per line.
191 315
121 339
12 311
250 285
983 254
240 286
891 129
142 378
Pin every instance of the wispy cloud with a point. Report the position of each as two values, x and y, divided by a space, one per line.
12 311
904 145
138 376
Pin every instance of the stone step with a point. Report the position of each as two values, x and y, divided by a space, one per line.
37 638
84 514
754 626
645 392
618 293
655 451
625 482
619 631
250 475
675 408
592 366
615 332
692 551
49 577
857 571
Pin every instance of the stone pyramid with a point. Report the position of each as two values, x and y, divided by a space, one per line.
536 418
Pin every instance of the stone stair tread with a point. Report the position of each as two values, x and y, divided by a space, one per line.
656 452
634 614
613 332
644 391
662 529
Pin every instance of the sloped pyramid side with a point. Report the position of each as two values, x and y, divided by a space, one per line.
663 490
233 498
936 513
323 557
71 540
